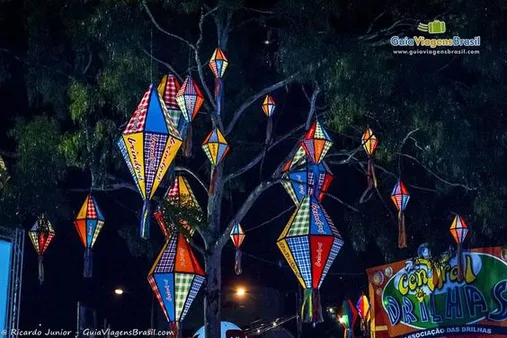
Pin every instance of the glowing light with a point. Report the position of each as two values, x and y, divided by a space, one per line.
341 319
241 292
118 291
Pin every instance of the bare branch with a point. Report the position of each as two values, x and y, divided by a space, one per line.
375 21
8 154
156 24
251 100
110 187
341 202
466 187
198 63
261 155
245 207
313 102
171 68
271 219
194 175
258 11
90 59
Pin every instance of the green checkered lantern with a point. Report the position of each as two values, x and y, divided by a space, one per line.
175 279
310 243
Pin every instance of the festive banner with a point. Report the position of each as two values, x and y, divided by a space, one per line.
425 296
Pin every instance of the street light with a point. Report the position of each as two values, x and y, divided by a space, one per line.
119 291
241 292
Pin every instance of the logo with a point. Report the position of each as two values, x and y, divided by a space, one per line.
433 27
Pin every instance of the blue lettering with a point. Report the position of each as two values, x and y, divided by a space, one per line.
424 312
435 318
475 301
393 310
500 296
453 304
397 41
408 311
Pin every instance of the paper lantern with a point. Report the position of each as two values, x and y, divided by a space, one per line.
189 99
312 178
167 89
269 106
41 234
400 198
316 142
218 63
237 237
459 231
370 143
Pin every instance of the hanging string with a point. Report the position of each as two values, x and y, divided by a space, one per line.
151 55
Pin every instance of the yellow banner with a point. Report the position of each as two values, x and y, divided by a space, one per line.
171 149
135 149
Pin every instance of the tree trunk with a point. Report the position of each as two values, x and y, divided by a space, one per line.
212 320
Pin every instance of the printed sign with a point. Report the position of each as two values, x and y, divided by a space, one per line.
426 297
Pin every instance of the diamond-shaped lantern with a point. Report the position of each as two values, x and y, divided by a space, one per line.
88 223
215 146
41 234
317 142
179 194
400 198
348 318
310 243
370 143
167 89
313 179
189 99
218 63
363 309
237 237
149 144
175 278
459 231
298 159
268 106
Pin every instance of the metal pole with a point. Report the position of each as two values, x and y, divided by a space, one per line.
78 326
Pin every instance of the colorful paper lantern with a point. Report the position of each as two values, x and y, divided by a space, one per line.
218 63
316 142
363 309
237 237
41 234
175 278
313 179
189 99
298 159
167 89
400 198
148 145
348 318
310 244
370 143
269 106
459 231
216 148
88 223
179 194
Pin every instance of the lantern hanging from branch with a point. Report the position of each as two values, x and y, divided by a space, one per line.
41 234
167 89
180 194
311 178
317 142
218 64
4 176
310 243
149 144
363 309
348 318
216 148
370 143
175 278
459 231
400 198
237 237
88 223
298 159
268 107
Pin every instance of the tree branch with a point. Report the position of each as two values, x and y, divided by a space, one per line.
241 213
110 187
8 154
155 23
194 175
466 187
341 202
313 102
251 100
271 219
171 68
261 155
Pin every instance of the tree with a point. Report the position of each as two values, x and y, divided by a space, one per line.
103 53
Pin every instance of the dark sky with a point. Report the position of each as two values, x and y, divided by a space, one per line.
54 303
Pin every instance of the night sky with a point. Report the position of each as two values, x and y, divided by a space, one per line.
54 303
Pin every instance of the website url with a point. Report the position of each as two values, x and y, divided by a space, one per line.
436 52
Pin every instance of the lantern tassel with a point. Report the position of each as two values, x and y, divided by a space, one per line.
402 234
41 270
213 182
218 94
88 263
145 220
372 179
269 131
460 262
187 143
175 329
311 311
237 262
